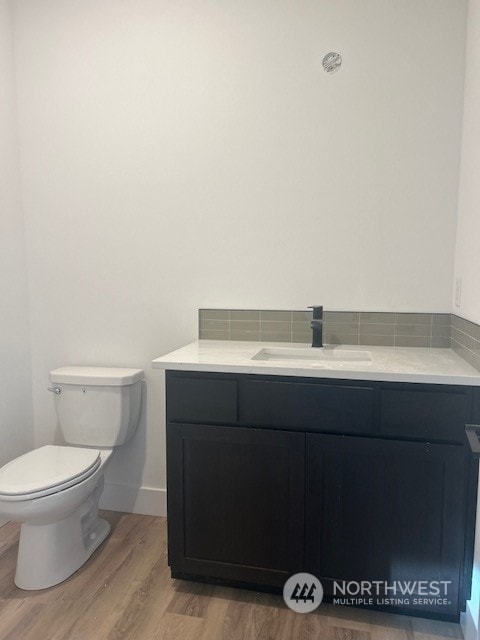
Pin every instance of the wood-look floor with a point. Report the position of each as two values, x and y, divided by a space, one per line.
124 592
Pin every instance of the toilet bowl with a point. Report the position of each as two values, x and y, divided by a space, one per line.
54 490
60 526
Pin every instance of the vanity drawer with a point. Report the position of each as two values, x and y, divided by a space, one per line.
425 413
207 400
326 408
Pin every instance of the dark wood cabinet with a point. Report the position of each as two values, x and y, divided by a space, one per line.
236 503
331 408
383 510
348 480
425 412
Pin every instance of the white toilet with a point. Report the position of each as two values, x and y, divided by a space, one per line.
54 490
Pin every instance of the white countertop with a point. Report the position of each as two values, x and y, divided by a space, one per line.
389 364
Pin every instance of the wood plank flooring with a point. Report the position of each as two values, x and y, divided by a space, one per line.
124 592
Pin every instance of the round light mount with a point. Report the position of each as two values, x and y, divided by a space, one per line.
332 62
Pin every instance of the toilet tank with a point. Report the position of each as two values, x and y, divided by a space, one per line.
97 406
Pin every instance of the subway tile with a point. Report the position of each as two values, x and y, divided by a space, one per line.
418 330
244 325
341 316
475 331
347 327
245 335
276 315
302 327
456 333
301 337
457 321
340 338
344 327
213 314
441 331
455 345
376 329
376 340
213 335
463 339
377 317
276 336
444 319
467 355
244 314
463 325
275 325
412 341
466 340
413 318
440 343
214 325
472 330
476 348
460 349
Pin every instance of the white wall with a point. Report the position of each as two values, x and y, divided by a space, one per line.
184 154
16 422
467 258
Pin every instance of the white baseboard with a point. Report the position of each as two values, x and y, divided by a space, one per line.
144 500
122 497
469 628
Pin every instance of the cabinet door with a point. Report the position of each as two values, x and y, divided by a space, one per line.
235 503
388 511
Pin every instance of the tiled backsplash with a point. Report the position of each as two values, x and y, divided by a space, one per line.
388 329
442 330
340 327
272 326
466 340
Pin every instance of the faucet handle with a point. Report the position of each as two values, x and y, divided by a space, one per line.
317 311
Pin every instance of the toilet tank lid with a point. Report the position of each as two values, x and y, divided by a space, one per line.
98 376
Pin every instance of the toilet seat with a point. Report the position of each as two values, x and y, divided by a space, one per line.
46 470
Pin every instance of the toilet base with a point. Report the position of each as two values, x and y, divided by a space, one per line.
50 553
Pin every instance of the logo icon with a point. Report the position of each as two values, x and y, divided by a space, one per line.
332 62
303 592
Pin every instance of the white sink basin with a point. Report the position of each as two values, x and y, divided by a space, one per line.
322 356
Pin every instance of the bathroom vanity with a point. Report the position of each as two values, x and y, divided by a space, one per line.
352 472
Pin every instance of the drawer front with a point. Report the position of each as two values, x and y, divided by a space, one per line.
202 400
310 407
425 414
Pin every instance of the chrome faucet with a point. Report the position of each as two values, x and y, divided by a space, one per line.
317 326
